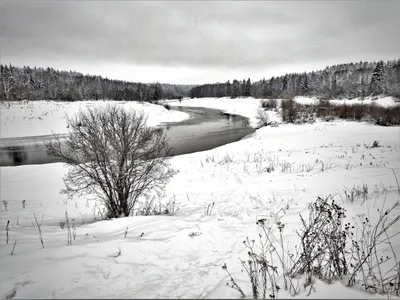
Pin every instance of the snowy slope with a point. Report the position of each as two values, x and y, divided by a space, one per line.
166 262
31 118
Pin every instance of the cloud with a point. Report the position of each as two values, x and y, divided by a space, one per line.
223 35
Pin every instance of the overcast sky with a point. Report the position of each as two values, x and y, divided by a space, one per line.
196 41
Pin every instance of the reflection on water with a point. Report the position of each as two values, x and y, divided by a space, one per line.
17 154
206 129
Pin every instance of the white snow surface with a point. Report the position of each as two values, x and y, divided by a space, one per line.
158 258
35 118
245 106
381 101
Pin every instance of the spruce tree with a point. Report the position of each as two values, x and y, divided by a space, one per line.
247 91
376 85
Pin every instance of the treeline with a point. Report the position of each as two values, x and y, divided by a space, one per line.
339 81
48 84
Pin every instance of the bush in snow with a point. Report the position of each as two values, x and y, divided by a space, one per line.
293 112
269 104
360 252
115 156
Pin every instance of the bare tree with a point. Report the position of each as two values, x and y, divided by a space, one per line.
115 156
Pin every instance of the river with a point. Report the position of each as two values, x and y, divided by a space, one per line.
204 130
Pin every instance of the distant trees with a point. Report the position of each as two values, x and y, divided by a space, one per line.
48 84
339 81
7 82
236 89
157 92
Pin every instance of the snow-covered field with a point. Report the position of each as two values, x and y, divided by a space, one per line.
48 117
383 101
181 256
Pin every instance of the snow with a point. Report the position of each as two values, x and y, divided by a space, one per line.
381 101
249 106
166 262
246 106
35 118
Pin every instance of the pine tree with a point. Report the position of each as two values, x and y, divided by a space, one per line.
285 83
376 85
304 87
247 91
243 88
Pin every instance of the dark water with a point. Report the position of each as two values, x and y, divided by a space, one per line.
206 129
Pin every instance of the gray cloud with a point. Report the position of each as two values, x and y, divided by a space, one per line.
221 35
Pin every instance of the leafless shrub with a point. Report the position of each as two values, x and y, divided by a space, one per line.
210 158
323 242
170 207
149 207
286 167
233 283
326 110
228 159
366 262
115 156
269 104
267 266
356 192
289 110
330 249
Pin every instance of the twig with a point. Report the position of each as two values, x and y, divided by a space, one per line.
7 229
12 252
40 230
397 181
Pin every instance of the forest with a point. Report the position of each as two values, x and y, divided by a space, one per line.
28 83
339 81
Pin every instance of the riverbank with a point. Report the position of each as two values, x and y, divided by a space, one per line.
36 118
203 130
275 173
248 106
